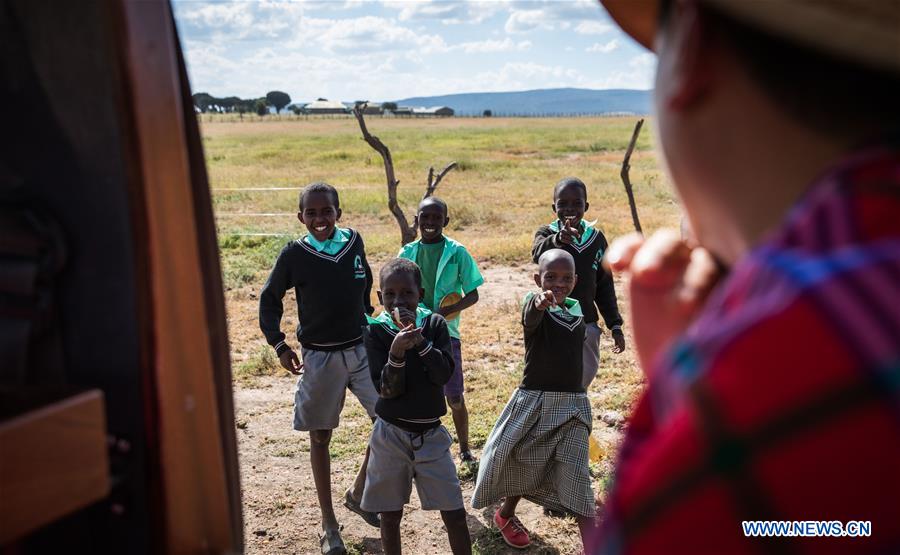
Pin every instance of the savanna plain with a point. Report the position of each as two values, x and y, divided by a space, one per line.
500 192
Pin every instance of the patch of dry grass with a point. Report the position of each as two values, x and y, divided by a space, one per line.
500 193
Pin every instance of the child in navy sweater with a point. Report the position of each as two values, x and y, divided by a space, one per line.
595 291
410 359
328 271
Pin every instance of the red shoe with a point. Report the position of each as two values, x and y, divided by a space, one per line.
514 534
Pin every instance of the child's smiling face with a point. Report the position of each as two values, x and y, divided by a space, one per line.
319 214
400 290
569 202
557 275
432 218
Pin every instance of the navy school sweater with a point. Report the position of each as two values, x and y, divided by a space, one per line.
595 289
553 344
332 295
427 369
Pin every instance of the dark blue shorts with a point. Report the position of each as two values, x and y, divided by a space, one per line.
454 388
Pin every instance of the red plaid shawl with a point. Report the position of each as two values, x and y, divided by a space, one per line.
782 402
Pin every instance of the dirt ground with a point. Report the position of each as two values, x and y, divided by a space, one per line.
280 508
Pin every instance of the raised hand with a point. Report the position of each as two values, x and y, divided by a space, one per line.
291 362
670 282
406 339
403 317
543 301
568 234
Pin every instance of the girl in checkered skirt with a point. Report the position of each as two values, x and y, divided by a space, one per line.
538 448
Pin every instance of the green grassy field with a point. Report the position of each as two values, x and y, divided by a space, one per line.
500 193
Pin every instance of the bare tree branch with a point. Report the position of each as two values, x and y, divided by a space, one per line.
624 174
435 180
407 233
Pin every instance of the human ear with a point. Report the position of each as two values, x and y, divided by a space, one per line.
446 221
338 213
686 61
586 205
300 217
380 299
537 279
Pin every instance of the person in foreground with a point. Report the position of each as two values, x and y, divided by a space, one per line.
771 347
451 279
411 360
328 271
538 448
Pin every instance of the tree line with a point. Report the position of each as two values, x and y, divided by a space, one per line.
206 102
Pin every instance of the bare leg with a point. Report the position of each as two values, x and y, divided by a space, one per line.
320 459
588 529
390 532
360 482
457 531
508 508
460 420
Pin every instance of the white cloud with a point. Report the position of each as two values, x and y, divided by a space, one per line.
593 28
369 34
603 48
644 60
490 45
523 21
550 15
448 12
639 75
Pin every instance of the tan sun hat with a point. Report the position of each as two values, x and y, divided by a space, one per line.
866 31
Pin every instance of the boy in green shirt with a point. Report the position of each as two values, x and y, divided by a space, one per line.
450 279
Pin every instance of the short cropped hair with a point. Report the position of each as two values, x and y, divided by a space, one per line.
570 182
401 266
826 94
437 201
320 187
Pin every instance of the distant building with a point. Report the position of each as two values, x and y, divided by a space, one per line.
324 106
434 111
373 109
403 111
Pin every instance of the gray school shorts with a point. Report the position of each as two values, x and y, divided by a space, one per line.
397 458
321 389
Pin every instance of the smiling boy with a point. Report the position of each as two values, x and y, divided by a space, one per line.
448 272
410 363
328 271
595 289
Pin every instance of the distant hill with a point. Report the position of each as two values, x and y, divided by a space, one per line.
544 101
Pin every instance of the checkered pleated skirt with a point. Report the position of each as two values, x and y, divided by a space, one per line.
538 449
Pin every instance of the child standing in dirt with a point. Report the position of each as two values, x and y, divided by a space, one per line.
450 279
595 289
328 270
538 448
411 360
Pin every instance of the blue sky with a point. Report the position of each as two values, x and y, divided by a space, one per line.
386 50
